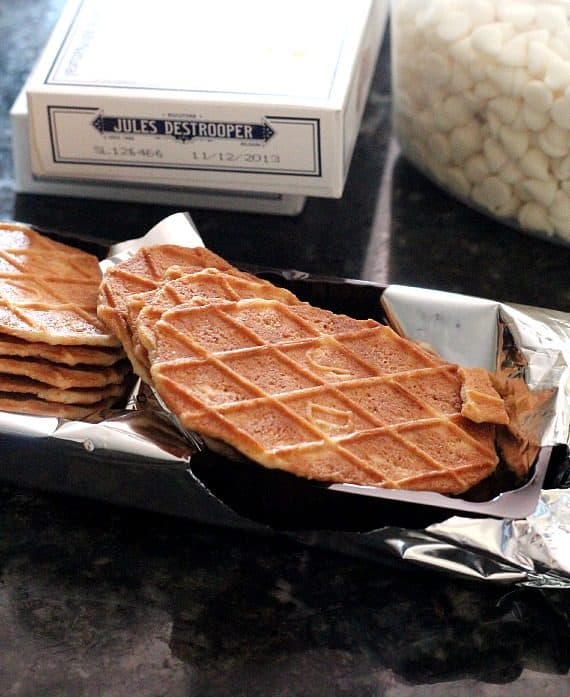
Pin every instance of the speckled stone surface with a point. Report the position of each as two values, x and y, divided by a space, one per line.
97 600
101 601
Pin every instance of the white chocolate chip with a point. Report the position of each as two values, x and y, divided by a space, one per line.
515 143
461 79
561 168
509 208
519 123
478 196
534 164
432 13
561 111
560 206
439 147
441 119
510 173
514 52
479 67
561 45
465 141
454 25
538 96
540 35
436 67
457 110
493 193
512 82
506 108
481 11
550 17
563 38
495 155
457 181
494 123
553 141
558 74
425 120
485 90
539 58
538 190
535 120
472 101
488 39
533 216
476 169
520 14
462 52
522 192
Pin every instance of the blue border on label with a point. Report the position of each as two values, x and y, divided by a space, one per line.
314 122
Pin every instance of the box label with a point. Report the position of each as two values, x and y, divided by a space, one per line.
269 145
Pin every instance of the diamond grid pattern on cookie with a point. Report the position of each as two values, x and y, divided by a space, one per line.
147 268
23 250
48 291
53 324
56 357
320 395
206 287
127 287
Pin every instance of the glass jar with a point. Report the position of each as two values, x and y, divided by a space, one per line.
481 92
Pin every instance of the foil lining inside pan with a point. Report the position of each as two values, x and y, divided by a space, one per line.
530 345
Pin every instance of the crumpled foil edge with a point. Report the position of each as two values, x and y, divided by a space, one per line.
530 551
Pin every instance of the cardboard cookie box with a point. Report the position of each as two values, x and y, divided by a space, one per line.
216 104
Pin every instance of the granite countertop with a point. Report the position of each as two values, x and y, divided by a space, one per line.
110 601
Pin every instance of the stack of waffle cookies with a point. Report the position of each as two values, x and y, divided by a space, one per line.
295 387
56 357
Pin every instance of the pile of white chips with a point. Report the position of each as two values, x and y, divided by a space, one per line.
482 103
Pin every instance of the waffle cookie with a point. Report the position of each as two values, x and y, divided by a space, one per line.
62 376
18 384
48 291
206 287
302 389
130 285
24 404
56 357
357 405
11 346
481 401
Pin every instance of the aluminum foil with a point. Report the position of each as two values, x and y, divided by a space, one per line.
518 537
529 345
